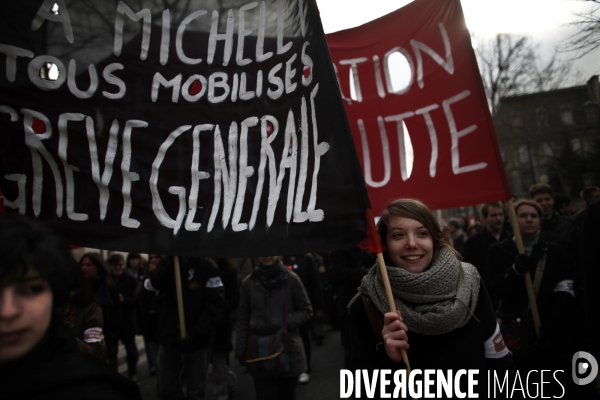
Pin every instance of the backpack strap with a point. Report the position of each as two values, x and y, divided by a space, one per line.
375 318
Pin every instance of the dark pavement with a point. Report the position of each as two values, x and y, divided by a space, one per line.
327 360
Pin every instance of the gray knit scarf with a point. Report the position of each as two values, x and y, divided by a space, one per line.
436 301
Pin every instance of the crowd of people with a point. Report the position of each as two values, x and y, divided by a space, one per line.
461 296
109 300
554 241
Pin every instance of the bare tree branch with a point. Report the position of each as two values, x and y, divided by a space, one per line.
510 65
587 37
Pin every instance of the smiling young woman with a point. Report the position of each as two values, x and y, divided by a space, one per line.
445 318
39 355
409 244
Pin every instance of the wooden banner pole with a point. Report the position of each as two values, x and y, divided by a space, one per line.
390 297
179 298
528 282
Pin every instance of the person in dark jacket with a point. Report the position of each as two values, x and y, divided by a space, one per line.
305 266
147 302
444 321
456 235
562 205
476 247
183 360
557 228
590 195
39 355
83 315
347 267
555 297
120 324
272 298
591 275
96 274
135 267
221 380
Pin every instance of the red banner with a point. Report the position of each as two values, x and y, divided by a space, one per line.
440 110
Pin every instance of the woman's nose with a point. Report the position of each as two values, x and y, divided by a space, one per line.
411 244
8 305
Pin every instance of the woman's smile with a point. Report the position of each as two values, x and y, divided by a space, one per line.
11 338
409 244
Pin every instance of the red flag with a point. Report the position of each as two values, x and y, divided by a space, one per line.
440 109
371 242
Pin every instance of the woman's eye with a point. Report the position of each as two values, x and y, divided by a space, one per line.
33 289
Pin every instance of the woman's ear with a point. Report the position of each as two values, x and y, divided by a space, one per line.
384 247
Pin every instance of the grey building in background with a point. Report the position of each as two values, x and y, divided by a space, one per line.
551 137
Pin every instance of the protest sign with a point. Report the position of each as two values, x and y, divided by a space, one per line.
206 128
439 110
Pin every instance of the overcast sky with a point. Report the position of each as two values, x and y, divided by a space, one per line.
544 20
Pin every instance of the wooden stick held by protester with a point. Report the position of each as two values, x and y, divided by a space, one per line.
372 243
179 298
528 282
390 297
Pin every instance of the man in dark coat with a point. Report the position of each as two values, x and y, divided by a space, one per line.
222 380
183 360
590 195
556 228
120 324
559 333
476 247
591 276
305 266
348 267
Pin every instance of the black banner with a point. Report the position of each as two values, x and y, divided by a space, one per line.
211 128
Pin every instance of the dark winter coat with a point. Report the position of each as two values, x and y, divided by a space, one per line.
347 267
203 301
121 316
591 274
564 232
261 312
556 304
56 369
147 312
224 329
462 348
87 324
508 291
476 248
305 266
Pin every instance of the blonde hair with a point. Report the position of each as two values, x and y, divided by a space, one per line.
531 203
